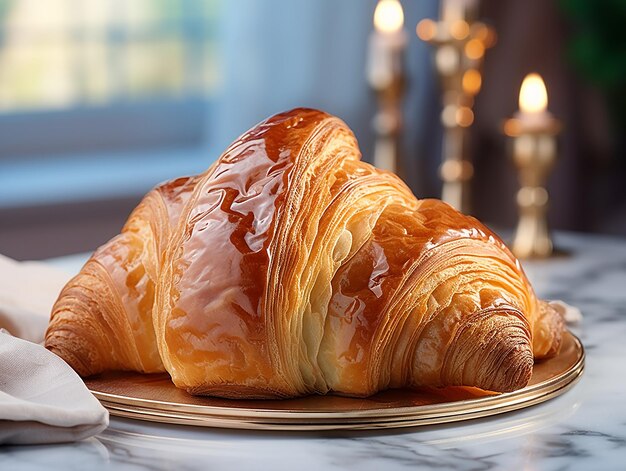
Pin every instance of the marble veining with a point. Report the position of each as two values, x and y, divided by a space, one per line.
583 429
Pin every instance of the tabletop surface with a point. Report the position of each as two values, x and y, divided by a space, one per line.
583 429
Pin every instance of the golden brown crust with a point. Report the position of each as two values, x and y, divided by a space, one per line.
291 267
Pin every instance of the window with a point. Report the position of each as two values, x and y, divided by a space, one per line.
105 65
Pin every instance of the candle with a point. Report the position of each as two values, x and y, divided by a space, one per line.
387 44
533 103
533 115
385 73
534 130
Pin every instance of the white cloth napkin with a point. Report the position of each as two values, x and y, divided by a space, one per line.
42 400
27 292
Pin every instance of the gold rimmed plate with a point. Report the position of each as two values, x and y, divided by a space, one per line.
155 398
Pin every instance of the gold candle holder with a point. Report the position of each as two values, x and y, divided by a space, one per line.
533 131
386 75
460 43
387 124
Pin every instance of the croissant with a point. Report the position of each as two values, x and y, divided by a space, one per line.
290 267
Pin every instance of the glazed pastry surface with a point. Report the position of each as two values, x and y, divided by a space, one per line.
290 267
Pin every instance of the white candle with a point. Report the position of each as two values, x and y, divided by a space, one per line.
387 44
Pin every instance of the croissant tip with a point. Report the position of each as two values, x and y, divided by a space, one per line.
70 359
72 351
515 370
492 352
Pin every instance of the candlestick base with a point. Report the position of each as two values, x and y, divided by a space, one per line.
456 175
385 153
532 239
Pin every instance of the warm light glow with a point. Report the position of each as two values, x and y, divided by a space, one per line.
533 97
464 116
474 49
471 81
459 29
388 16
426 29
447 59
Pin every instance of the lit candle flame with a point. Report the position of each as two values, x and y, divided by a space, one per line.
388 16
533 96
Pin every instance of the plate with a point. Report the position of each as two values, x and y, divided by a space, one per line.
155 398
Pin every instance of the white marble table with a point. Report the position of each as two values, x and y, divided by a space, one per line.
583 429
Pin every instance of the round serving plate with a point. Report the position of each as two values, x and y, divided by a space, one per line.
155 398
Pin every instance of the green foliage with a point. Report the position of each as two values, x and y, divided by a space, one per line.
598 49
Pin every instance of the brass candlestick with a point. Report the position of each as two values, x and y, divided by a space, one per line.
461 43
386 75
533 131
387 123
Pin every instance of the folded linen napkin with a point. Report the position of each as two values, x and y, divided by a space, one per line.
27 292
42 400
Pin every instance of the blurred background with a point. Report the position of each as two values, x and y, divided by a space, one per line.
102 99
